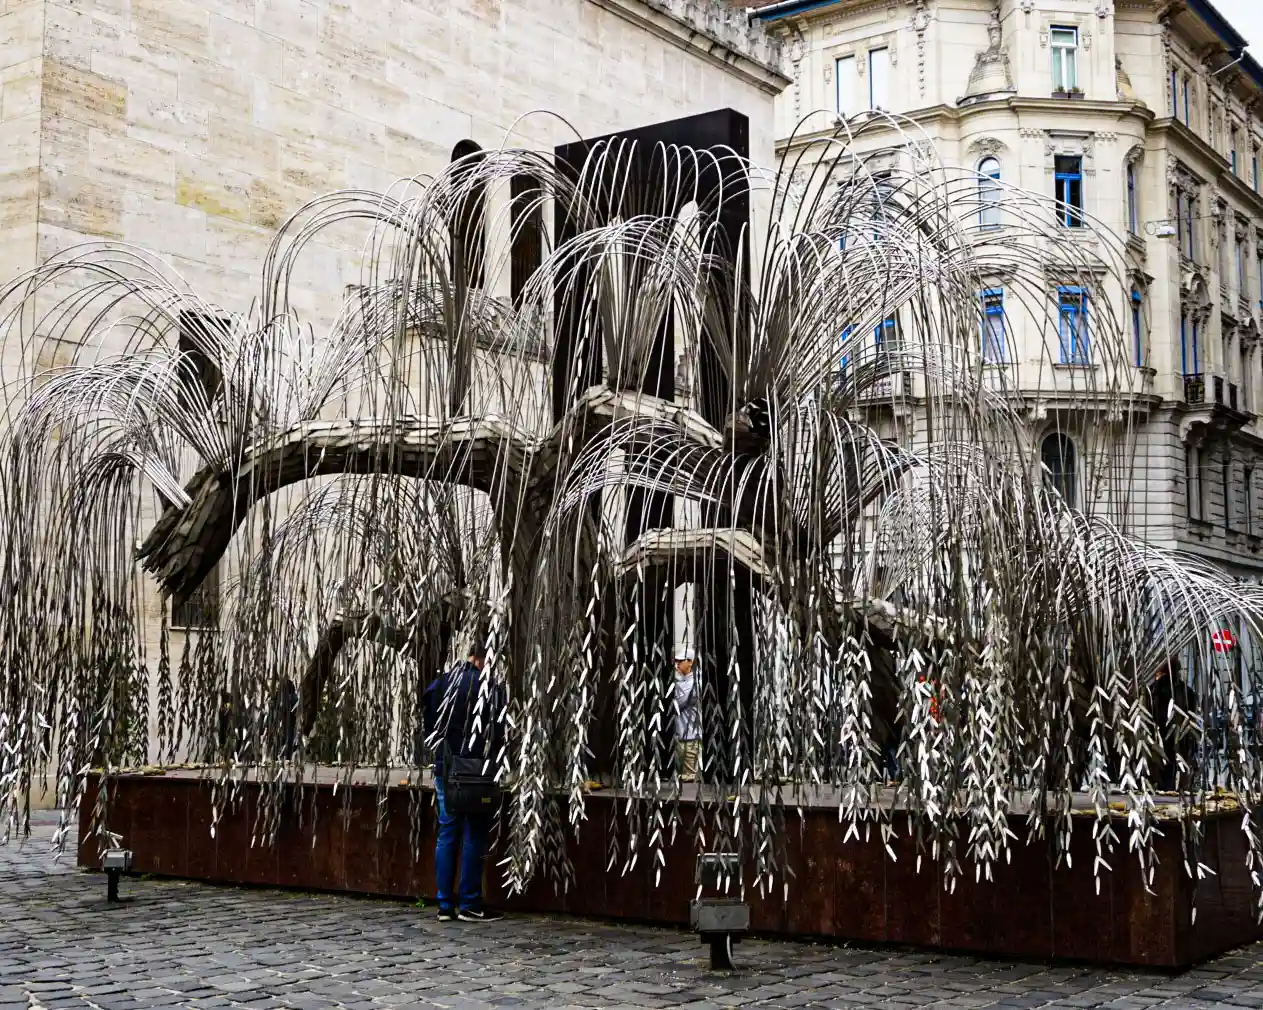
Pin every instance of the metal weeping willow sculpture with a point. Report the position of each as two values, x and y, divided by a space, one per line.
750 409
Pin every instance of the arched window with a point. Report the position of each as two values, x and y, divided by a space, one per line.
989 192
469 219
1057 453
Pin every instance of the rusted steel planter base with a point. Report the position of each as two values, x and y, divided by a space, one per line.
846 891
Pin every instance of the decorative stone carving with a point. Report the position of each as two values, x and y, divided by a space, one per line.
922 151
729 26
797 50
1103 9
1070 142
1181 177
1122 83
984 146
990 75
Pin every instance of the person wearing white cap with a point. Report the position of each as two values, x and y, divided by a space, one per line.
688 718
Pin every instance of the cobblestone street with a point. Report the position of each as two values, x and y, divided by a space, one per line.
179 944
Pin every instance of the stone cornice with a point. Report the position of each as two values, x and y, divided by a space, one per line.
955 115
1219 172
713 31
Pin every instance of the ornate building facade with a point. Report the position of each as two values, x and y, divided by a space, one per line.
1144 114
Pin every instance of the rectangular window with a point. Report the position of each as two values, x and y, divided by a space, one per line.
1193 481
847 84
1184 224
1175 95
1069 190
1133 216
1138 329
994 343
989 193
886 336
1225 480
1065 49
1072 309
1232 149
879 78
1247 491
1186 106
1246 378
1240 246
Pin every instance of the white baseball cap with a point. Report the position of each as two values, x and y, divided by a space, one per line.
684 653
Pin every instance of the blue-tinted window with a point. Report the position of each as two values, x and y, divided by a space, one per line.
1190 353
1072 310
1133 222
1069 190
884 335
994 339
1137 328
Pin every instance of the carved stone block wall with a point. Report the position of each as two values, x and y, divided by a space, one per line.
196 127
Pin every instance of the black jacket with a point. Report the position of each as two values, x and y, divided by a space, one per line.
450 704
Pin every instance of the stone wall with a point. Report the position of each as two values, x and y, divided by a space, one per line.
21 69
194 128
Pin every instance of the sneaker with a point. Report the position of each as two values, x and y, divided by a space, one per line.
478 915
446 914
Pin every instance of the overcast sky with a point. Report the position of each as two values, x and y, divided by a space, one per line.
1246 16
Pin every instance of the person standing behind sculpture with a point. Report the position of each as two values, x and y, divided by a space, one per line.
688 718
1168 687
450 706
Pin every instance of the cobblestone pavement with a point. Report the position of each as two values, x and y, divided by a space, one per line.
181 944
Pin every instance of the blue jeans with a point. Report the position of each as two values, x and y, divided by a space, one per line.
474 828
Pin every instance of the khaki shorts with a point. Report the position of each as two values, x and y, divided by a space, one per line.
688 759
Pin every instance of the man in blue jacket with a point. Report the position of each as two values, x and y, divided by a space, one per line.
450 706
